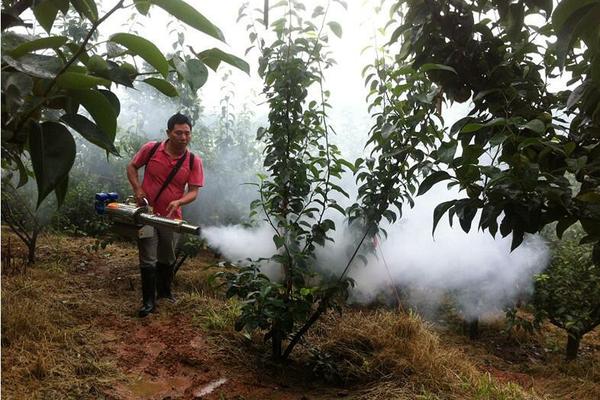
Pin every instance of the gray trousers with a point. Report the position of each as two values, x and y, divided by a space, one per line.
159 248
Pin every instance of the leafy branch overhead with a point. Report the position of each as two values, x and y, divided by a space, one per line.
50 79
525 155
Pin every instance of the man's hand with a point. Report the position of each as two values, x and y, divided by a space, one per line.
173 207
141 198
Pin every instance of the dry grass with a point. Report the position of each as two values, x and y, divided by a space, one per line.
51 348
536 360
47 352
401 356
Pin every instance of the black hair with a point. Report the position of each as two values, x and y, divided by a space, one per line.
178 119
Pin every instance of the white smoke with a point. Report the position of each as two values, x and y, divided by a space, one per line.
481 272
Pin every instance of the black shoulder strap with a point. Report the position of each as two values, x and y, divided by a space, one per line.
171 176
152 151
191 161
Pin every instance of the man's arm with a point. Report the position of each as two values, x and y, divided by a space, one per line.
134 180
187 198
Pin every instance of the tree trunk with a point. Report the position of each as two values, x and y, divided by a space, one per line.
471 328
572 345
276 343
31 247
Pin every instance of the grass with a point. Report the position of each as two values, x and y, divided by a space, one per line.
403 351
47 349
52 349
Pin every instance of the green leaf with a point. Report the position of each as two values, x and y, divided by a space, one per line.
21 81
35 65
90 132
189 15
431 66
193 71
75 80
446 151
473 127
431 180
113 99
100 108
163 86
439 212
143 48
589 197
62 5
577 23
143 6
97 64
52 151
595 74
51 42
565 9
335 28
214 56
563 225
576 95
61 190
45 12
536 125
86 8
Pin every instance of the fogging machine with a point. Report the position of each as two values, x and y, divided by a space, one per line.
136 221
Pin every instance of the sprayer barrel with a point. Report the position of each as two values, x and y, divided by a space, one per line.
132 214
174 225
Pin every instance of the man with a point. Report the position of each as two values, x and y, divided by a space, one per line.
170 167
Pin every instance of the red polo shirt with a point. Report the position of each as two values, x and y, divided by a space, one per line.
158 169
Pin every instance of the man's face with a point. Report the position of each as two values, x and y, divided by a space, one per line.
181 134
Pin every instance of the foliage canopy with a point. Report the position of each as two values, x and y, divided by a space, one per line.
48 79
514 155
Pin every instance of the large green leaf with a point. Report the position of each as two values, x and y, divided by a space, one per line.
189 15
62 5
335 28
52 151
143 48
86 8
121 74
431 180
536 125
143 6
163 86
97 64
113 99
61 190
35 65
577 25
100 108
75 80
45 12
439 211
90 131
214 56
193 71
441 67
446 151
595 74
566 9
19 80
51 42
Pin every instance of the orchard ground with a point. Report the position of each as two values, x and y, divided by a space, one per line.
70 330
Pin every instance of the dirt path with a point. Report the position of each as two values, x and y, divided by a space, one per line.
165 355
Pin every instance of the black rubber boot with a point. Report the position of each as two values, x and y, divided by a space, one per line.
164 281
148 290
